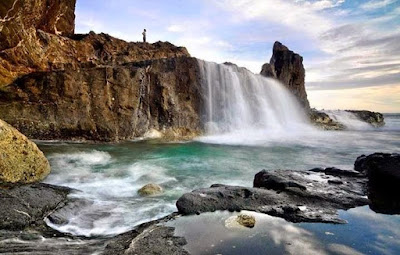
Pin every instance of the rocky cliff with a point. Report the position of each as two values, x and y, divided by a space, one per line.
287 66
107 103
58 85
39 36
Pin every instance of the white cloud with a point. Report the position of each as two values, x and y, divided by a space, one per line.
87 22
376 4
176 28
301 15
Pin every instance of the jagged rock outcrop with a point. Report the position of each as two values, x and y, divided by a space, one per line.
107 103
57 85
39 36
21 161
19 18
287 66
323 121
375 119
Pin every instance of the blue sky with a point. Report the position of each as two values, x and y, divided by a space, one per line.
351 48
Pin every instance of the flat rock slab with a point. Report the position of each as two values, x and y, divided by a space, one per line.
27 205
297 196
149 238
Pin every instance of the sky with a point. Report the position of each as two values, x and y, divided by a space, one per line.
351 48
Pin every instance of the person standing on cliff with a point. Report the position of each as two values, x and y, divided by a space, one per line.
144 35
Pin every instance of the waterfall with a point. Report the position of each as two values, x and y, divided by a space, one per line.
350 120
241 105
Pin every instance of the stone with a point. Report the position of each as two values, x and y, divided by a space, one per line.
287 66
375 119
107 103
150 190
383 171
245 220
56 17
284 193
28 205
148 238
323 121
46 28
21 161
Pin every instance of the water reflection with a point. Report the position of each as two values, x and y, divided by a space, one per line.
366 233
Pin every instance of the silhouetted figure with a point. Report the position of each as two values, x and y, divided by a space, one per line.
144 35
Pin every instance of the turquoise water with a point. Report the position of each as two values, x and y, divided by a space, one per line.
109 175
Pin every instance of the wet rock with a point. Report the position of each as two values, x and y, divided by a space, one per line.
270 180
333 171
323 121
297 196
148 238
28 205
36 243
150 190
383 171
287 66
21 161
375 119
247 221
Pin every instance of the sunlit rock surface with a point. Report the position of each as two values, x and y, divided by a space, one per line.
21 161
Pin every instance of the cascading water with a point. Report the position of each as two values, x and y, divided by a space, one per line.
351 121
240 105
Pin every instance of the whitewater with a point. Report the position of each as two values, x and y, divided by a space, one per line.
252 123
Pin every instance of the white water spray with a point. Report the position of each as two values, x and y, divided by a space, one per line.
241 106
350 120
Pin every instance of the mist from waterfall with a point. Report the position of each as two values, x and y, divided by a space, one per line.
244 108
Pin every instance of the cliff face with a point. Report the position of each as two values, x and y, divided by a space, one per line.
107 103
57 85
287 66
19 18
33 37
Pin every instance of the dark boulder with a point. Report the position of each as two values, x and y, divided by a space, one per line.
383 171
28 205
297 196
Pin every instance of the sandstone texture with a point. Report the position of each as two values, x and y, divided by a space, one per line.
150 190
58 85
245 220
21 161
109 103
287 66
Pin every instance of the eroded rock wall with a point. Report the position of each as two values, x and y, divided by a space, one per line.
107 103
287 66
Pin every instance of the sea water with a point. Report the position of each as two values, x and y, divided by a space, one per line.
252 123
